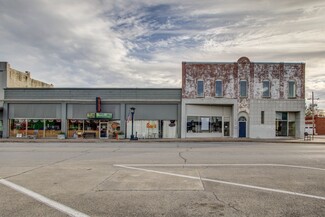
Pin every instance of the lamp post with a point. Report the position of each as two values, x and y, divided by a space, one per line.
132 113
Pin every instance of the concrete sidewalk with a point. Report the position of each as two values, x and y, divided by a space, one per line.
315 140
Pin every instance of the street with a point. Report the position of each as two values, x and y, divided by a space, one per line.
162 179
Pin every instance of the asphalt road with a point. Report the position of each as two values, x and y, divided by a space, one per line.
162 179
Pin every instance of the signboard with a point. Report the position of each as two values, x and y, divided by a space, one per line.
91 115
104 115
205 123
98 104
98 115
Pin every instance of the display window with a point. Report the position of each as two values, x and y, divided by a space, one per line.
285 124
150 129
52 127
77 127
203 124
38 128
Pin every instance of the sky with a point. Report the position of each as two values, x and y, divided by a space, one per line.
142 43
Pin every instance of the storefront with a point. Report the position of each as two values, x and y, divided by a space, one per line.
207 120
153 129
46 113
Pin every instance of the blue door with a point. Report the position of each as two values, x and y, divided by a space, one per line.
242 129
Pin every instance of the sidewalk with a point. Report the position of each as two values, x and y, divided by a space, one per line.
315 140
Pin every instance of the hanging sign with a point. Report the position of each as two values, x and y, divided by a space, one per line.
98 104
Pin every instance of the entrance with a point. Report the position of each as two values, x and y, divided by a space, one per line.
242 126
103 130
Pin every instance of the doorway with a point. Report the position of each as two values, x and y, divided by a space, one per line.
103 130
242 126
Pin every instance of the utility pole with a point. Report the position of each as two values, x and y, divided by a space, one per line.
313 111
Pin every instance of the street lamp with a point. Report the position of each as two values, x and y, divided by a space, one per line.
132 113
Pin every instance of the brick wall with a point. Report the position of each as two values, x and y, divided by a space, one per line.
254 73
319 124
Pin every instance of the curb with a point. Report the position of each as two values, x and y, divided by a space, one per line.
293 141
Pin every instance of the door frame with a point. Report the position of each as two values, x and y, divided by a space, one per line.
100 130
242 122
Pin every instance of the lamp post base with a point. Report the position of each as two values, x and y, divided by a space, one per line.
133 138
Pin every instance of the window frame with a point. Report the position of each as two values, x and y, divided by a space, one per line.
197 88
262 117
294 89
240 89
268 89
215 86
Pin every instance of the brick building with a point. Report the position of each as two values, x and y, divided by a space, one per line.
243 99
217 99
319 125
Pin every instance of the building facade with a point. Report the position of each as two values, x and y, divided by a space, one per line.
217 99
10 77
243 99
47 112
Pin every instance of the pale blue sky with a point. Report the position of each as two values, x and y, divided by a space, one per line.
141 43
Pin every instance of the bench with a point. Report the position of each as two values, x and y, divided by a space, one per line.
89 135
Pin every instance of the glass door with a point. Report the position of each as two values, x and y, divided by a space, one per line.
103 130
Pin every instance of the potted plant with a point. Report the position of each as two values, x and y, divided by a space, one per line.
61 135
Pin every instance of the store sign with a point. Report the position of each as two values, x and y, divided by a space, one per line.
99 115
104 115
98 104
91 115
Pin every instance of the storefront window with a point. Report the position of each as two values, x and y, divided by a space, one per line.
35 127
285 124
77 127
168 129
91 125
143 129
196 124
38 128
18 127
52 127
76 124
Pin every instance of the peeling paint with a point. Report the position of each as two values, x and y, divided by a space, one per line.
279 74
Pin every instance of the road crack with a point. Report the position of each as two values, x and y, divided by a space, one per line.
232 206
106 179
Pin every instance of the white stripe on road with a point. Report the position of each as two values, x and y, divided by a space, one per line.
40 198
227 183
220 165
